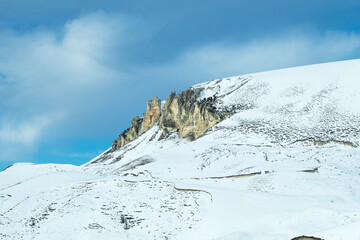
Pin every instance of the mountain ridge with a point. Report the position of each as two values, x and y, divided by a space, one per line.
283 164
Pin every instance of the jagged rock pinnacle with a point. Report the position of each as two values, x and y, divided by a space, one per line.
182 112
140 125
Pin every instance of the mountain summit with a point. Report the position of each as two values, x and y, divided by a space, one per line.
271 155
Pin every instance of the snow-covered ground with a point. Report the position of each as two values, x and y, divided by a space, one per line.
285 164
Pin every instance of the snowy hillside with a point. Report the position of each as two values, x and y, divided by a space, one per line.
284 164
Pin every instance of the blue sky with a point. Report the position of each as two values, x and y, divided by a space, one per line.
74 73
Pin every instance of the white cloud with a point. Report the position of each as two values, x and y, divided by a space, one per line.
50 80
95 35
20 138
26 133
297 48
78 58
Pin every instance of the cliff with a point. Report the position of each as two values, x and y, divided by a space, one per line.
182 112
140 125
190 117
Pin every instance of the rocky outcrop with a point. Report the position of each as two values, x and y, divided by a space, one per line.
152 114
140 125
182 112
190 117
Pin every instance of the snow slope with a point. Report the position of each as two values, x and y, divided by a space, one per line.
285 164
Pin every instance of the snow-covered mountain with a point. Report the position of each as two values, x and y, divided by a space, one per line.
281 161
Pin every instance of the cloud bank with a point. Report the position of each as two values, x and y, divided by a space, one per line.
268 53
50 80
77 81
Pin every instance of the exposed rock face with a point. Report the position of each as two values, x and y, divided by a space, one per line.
190 117
152 114
181 112
140 125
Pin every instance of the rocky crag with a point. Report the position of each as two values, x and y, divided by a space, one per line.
182 112
140 125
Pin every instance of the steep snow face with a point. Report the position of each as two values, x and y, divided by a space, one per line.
285 164
317 102
338 81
